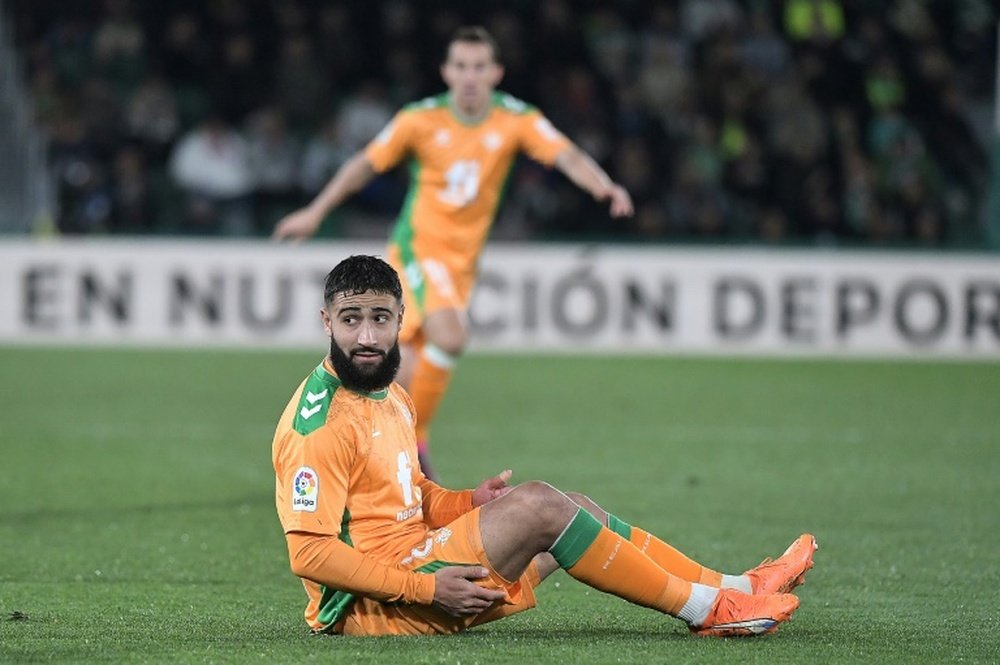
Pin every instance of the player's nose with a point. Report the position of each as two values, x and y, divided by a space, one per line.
366 335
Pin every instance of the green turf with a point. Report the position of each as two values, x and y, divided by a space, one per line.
137 521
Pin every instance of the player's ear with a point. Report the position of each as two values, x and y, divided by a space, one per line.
327 320
399 319
498 72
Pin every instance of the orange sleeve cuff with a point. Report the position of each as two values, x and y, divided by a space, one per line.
442 506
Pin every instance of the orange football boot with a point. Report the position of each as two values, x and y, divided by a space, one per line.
783 574
738 614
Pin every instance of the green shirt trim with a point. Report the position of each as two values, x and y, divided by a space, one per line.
314 403
402 237
334 605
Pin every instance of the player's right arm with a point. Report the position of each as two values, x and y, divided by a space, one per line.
355 173
380 155
586 174
333 563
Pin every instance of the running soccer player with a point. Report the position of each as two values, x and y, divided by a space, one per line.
461 146
383 550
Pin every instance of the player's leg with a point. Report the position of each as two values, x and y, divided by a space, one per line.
457 544
434 299
535 517
445 333
445 288
778 576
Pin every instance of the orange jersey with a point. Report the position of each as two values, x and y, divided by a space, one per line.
346 466
458 171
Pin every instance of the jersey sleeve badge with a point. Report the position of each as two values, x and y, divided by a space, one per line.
305 490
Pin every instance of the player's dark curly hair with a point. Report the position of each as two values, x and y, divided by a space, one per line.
361 273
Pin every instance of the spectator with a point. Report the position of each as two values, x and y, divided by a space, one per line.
119 46
211 166
816 22
612 45
274 156
702 18
131 72
84 204
101 113
664 80
302 89
235 84
152 115
763 51
131 210
364 114
324 154
338 44
184 49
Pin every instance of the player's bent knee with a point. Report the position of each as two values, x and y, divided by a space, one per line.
453 344
446 331
542 505
589 505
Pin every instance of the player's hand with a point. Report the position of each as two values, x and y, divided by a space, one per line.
457 594
492 488
297 226
621 202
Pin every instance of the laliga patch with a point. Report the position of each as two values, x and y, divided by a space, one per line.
305 490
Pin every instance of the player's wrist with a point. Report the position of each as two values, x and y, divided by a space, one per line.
603 192
424 589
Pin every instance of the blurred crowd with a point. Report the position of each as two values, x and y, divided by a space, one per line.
806 121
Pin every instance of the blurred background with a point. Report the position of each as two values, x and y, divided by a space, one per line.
773 148
801 122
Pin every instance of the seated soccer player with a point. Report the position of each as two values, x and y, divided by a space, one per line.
383 550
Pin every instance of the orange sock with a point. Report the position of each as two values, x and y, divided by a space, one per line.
605 560
430 380
666 556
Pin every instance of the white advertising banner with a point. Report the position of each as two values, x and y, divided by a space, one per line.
569 298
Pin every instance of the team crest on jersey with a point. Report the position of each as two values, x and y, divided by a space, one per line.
305 490
492 141
442 137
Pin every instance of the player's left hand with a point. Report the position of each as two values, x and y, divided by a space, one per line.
492 488
621 202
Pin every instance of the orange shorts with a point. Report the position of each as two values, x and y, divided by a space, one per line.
430 284
459 543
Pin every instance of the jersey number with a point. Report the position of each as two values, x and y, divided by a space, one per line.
462 183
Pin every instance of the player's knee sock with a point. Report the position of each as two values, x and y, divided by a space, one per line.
430 380
673 560
605 560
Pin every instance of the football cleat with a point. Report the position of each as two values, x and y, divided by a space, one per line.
738 614
788 571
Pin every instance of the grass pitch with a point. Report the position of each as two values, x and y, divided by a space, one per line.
137 520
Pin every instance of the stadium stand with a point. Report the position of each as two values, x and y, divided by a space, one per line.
832 122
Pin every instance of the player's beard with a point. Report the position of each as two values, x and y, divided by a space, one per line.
365 378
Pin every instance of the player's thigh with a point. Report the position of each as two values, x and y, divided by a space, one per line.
458 543
436 293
